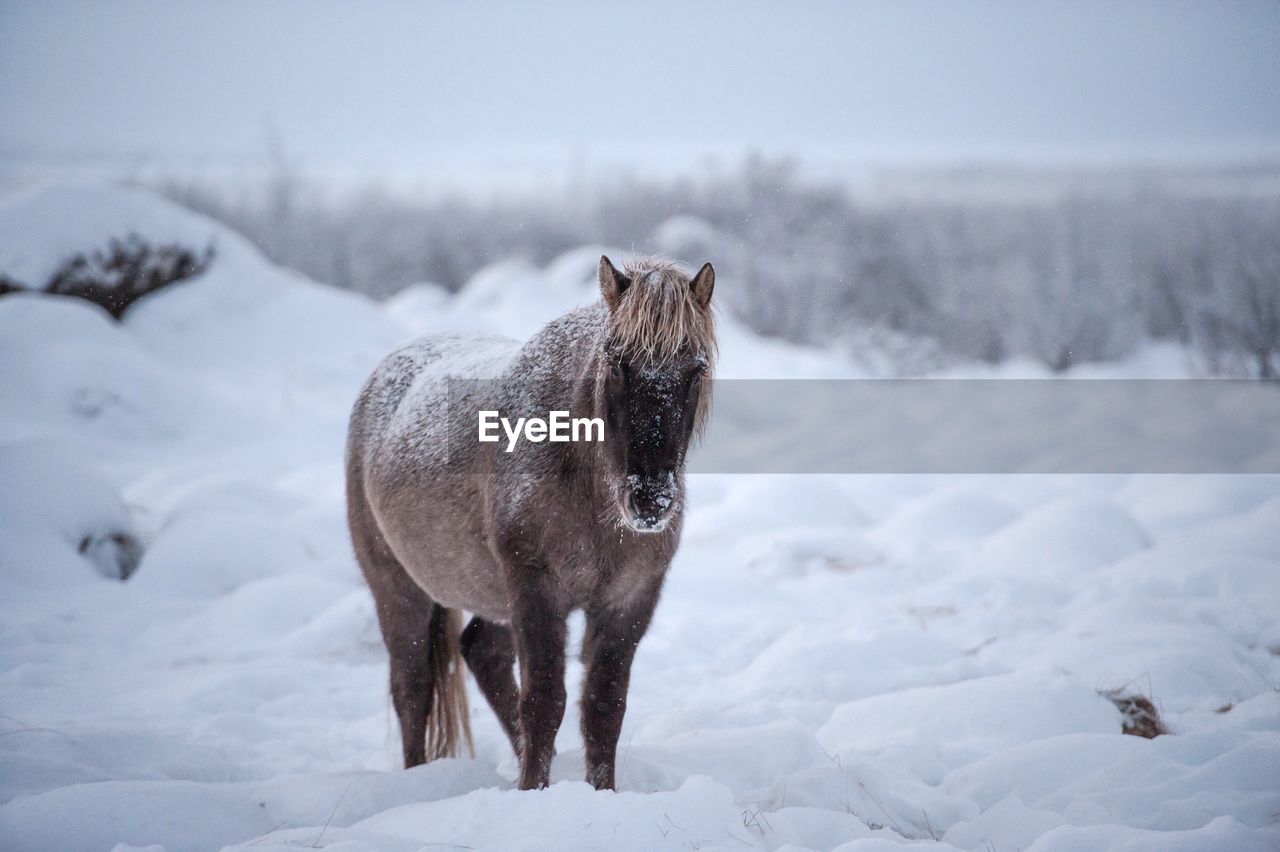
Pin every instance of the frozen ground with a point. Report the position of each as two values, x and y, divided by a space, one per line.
858 662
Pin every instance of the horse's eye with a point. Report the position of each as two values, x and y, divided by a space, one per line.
615 371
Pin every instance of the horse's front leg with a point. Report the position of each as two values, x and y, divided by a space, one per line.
539 627
613 634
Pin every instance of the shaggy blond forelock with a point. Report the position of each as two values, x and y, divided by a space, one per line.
658 315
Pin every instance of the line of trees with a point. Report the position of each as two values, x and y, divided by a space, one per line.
1066 268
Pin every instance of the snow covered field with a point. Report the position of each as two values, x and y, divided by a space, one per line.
837 662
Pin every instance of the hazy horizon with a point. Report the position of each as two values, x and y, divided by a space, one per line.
505 92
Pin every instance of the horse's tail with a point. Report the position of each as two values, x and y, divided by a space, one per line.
449 724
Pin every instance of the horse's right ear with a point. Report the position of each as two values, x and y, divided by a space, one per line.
612 282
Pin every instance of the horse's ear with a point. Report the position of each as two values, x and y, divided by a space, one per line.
702 284
612 282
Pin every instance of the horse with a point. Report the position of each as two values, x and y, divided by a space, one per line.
443 522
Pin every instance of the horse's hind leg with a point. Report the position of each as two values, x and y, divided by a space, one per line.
490 652
405 614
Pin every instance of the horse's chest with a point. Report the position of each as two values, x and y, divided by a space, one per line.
577 578
614 577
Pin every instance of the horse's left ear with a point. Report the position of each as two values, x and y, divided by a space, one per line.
702 284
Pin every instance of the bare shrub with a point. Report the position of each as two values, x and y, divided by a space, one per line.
125 271
119 275
1139 716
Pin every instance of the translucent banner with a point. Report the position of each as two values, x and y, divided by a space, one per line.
936 425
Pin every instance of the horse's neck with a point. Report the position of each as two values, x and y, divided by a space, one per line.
557 369
560 360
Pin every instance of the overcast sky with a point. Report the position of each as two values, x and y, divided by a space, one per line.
378 87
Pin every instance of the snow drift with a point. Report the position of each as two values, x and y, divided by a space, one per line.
838 662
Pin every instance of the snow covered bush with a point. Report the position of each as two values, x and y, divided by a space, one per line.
107 245
125 271
121 273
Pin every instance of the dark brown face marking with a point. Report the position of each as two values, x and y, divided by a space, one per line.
651 411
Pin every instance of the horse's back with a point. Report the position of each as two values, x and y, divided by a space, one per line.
398 459
416 375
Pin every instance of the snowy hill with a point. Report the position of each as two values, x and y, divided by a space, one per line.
863 663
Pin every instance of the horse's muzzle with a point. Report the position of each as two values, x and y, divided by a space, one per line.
648 509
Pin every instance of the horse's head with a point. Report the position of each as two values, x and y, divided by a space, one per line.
652 381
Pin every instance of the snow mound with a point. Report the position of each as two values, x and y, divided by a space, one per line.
42 227
58 513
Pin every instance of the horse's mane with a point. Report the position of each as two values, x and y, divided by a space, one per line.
658 315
